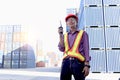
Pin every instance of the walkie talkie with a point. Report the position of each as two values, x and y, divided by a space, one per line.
61 28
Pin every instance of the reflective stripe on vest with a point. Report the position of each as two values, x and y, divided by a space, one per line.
73 52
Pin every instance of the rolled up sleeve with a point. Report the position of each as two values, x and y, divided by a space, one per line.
61 47
86 47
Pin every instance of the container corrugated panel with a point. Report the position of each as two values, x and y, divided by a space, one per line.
81 15
113 60
15 63
98 61
93 16
96 37
23 63
31 59
113 37
93 1
15 57
112 15
81 22
7 64
1 55
30 63
7 56
15 66
30 55
23 56
111 1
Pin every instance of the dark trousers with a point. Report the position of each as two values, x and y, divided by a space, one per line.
72 66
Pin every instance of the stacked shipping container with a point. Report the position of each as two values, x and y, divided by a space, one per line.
13 49
101 20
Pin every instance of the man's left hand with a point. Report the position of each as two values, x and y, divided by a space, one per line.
86 71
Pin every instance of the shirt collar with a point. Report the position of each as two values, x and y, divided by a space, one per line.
74 32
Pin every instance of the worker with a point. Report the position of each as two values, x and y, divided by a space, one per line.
75 47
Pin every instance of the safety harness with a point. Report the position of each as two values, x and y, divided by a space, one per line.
73 52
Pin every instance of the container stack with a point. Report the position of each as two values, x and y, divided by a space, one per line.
14 51
101 20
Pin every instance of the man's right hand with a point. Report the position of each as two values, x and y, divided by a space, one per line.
60 30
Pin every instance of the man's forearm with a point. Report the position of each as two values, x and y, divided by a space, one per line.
61 42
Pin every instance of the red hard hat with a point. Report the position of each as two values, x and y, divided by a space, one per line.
71 15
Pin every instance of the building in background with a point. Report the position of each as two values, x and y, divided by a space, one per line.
14 50
101 20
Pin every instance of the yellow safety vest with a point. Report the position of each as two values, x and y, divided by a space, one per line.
73 52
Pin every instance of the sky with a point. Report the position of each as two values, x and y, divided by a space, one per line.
41 17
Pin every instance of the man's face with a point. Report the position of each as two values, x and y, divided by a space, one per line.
71 22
